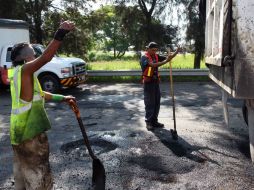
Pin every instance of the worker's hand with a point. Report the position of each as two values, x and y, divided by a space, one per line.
67 25
172 55
69 98
64 28
178 49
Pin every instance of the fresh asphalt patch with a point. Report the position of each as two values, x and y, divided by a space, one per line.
207 155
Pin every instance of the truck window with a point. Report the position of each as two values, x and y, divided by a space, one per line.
8 55
39 49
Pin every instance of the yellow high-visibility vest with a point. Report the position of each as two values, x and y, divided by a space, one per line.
28 119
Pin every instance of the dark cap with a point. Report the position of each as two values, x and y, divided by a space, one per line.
152 45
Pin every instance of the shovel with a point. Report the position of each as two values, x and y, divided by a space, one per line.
173 131
99 176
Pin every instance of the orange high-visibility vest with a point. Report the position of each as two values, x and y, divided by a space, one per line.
148 72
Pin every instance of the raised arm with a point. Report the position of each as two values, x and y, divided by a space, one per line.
169 58
32 65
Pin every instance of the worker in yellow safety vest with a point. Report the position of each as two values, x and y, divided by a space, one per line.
29 120
150 62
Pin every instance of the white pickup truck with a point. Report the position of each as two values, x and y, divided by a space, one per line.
58 73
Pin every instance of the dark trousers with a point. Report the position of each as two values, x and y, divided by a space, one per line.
152 97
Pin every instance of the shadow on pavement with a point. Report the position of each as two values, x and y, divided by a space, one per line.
182 148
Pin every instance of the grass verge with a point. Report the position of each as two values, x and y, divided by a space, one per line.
179 62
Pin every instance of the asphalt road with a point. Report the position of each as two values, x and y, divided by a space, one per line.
208 155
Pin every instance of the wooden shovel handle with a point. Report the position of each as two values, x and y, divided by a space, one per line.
75 109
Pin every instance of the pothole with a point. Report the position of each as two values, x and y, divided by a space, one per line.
78 148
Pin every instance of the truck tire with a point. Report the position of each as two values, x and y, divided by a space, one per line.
4 87
245 113
50 83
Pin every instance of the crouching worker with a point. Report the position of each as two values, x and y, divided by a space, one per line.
29 121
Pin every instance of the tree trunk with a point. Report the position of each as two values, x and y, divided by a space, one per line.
120 54
197 60
38 22
38 31
6 6
148 15
148 25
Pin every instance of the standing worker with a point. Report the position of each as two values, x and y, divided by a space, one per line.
29 121
150 62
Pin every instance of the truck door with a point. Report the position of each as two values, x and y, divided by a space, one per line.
5 64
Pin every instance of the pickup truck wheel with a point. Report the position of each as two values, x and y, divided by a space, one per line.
49 83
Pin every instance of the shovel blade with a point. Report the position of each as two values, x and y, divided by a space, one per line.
174 134
99 176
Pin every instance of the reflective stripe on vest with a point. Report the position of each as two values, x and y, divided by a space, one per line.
15 82
149 71
26 107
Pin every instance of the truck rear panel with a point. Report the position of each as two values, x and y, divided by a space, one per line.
229 51
13 31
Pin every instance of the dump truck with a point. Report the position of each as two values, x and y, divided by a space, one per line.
229 54
58 73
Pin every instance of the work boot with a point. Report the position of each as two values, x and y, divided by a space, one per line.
158 125
149 126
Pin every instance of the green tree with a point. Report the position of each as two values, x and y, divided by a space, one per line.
132 20
36 8
150 10
29 10
193 16
120 27
76 43
78 5
196 29
17 9
110 30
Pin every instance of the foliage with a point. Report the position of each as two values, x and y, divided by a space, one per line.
196 30
116 28
95 56
29 10
113 33
17 10
151 9
195 27
36 8
44 19
77 5
132 23
77 42
121 27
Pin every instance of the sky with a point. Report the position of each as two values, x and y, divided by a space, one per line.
94 6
